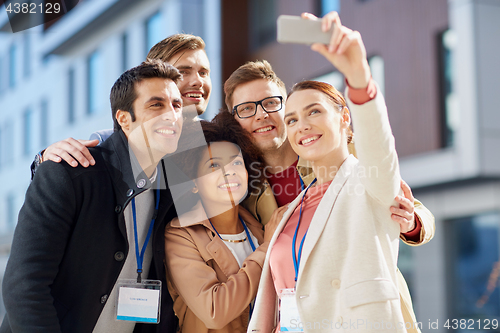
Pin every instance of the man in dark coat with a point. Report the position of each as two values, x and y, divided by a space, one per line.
75 234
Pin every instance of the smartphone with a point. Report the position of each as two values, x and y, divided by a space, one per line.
294 29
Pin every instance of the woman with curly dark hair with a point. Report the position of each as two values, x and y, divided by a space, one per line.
213 256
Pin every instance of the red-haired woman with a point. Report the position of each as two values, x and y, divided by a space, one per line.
332 261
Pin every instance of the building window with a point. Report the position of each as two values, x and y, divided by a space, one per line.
192 17
262 22
44 123
12 65
28 130
154 31
124 52
94 82
450 110
27 55
378 71
71 96
474 267
326 6
8 143
11 212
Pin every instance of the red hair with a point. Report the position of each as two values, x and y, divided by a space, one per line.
333 95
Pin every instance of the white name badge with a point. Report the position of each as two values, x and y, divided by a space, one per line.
288 311
139 302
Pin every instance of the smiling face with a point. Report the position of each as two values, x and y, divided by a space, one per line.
195 85
267 129
158 120
222 177
316 127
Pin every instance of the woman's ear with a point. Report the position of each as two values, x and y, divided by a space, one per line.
346 116
195 188
124 120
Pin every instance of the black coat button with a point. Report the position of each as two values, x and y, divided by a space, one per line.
130 192
119 256
104 299
118 209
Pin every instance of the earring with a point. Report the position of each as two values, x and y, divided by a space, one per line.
194 190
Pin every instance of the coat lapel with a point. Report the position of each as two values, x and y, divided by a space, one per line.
115 152
322 214
220 253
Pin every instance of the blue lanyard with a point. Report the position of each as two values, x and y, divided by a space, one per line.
246 231
140 256
302 186
296 260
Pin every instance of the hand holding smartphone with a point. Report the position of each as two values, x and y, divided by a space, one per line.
294 29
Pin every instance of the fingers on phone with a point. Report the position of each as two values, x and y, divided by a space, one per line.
347 39
320 48
337 31
308 16
329 19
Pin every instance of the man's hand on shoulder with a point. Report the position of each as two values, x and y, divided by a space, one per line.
72 151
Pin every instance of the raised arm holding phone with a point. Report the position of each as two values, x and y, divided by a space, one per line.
332 260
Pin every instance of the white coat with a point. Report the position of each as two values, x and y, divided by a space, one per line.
347 278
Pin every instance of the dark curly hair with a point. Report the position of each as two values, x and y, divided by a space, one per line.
223 127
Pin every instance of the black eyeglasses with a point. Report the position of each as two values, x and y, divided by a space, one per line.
249 109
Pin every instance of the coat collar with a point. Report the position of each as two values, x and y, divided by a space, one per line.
115 152
198 216
304 165
220 253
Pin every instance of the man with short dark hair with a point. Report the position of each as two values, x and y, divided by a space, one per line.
185 52
83 232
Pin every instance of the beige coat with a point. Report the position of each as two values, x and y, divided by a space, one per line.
211 292
348 271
